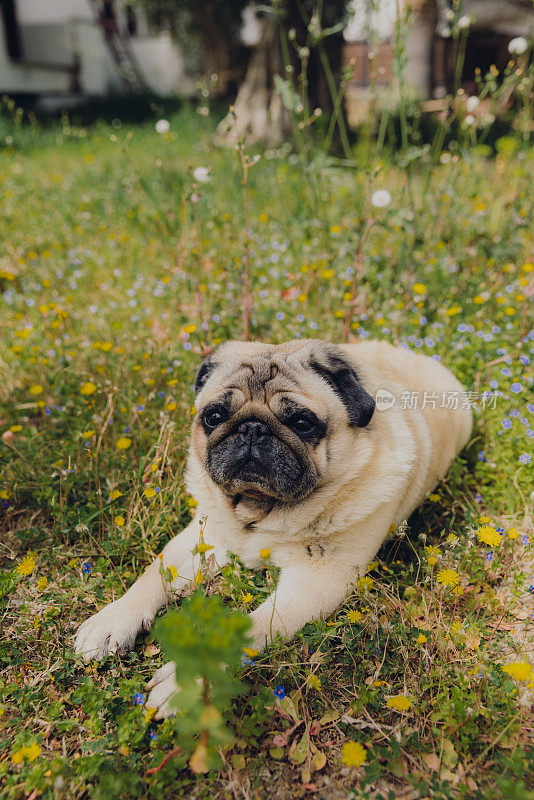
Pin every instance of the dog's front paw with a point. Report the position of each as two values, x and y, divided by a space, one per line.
162 687
114 628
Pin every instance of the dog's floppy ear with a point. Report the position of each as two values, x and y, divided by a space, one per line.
331 365
205 370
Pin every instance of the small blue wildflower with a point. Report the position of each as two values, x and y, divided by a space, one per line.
126 429
481 455
246 661
86 568
506 371
525 538
489 557
47 411
153 736
516 387
530 408
215 318
494 384
478 497
524 360
525 458
514 412
280 692
187 345
531 588
138 699
506 423
279 315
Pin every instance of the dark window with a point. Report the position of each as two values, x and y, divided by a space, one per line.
11 29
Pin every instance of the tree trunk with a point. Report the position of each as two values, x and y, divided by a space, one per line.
259 112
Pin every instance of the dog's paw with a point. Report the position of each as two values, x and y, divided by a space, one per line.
162 687
114 628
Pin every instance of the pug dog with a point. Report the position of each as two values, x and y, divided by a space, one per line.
310 451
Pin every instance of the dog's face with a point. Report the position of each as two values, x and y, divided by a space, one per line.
270 418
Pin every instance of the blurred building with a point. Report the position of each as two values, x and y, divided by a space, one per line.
84 47
429 51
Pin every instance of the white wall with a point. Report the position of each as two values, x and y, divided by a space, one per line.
53 10
15 78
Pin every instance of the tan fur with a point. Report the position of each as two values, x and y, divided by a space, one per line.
369 478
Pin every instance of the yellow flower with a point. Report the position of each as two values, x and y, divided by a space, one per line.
199 577
519 670
421 639
171 406
36 388
26 566
434 498
327 274
32 751
513 533
250 651
248 598
190 328
173 572
149 492
72 563
191 502
302 297
123 443
87 388
150 713
202 547
115 494
399 702
453 310
17 756
353 754
4 494
119 520
448 577
29 752
419 288
42 583
263 217
265 553
354 616
315 682
365 583
88 434
489 536
15 428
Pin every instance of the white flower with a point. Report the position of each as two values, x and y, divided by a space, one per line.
472 102
163 126
470 120
517 46
464 22
381 198
201 174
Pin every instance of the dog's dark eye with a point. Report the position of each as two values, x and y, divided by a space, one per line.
212 419
302 425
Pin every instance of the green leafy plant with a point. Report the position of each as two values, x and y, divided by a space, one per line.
205 641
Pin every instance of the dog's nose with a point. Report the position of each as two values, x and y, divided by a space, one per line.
253 431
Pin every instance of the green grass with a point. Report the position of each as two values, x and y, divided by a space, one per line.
117 276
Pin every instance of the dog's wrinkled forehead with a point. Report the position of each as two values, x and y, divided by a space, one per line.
258 374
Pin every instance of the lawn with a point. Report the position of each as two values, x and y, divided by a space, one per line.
119 270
